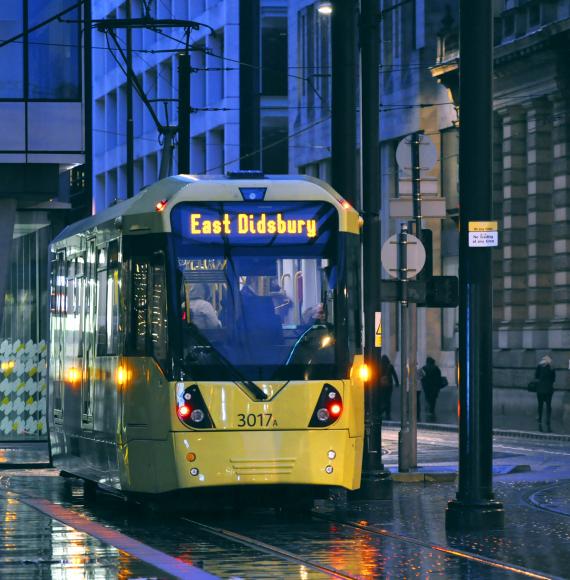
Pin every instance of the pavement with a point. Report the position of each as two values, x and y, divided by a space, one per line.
531 477
513 410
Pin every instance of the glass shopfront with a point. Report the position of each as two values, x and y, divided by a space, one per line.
23 331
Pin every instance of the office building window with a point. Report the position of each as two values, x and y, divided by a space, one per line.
43 64
274 56
11 55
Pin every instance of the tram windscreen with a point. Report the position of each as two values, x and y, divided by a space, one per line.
257 286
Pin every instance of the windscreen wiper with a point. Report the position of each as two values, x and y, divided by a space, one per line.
249 385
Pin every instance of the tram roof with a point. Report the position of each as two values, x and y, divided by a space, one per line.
145 201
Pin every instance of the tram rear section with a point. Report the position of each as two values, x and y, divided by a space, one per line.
210 356
255 444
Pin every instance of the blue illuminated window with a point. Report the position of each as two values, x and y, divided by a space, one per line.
43 64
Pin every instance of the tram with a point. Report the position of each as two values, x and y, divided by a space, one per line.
205 334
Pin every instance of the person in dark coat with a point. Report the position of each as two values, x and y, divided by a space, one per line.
388 378
545 375
431 384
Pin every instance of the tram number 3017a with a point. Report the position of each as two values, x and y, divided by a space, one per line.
256 420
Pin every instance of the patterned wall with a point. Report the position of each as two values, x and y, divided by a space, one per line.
23 389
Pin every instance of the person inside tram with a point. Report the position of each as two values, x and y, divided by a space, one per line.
202 313
258 315
281 302
314 315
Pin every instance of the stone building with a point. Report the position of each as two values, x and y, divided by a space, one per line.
531 278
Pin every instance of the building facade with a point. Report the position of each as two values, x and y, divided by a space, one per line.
214 93
42 152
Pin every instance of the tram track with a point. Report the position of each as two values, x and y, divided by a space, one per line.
453 552
531 499
268 549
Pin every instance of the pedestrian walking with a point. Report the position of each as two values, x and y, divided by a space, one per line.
431 384
419 377
545 376
388 379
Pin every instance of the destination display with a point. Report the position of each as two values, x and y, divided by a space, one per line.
247 223
251 224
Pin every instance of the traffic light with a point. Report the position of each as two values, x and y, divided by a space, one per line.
442 292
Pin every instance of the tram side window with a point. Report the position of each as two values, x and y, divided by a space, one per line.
140 305
158 318
101 302
113 297
80 299
72 321
149 321
108 300
57 309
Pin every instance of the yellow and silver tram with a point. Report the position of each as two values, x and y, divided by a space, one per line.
204 334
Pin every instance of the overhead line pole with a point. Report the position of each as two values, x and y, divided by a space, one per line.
184 71
371 235
129 98
475 506
343 121
88 95
249 85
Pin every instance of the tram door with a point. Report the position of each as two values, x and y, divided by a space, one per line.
88 338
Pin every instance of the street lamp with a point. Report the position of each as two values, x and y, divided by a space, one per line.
325 8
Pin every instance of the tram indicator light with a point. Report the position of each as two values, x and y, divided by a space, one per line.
160 205
364 372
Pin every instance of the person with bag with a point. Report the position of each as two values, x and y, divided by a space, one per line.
544 376
431 384
388 378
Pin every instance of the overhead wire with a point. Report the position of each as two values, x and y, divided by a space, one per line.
41 24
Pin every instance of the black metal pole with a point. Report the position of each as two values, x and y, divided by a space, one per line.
130 122
474 506
184 71
371 239
88 97
249 84
343 121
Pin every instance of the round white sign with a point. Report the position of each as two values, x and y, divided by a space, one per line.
428 155
415 256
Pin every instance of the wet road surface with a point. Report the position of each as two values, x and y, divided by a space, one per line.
536 534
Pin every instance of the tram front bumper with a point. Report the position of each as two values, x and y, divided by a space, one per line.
312 457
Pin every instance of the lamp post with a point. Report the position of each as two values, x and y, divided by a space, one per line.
347 18
474 506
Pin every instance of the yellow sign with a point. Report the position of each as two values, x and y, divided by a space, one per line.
378 331
249 224
483 226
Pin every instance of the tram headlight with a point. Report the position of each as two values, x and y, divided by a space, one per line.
328 409
197 415
323 414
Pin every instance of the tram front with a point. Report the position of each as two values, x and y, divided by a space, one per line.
264 337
